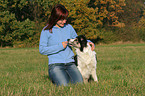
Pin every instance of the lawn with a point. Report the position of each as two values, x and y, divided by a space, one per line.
120 70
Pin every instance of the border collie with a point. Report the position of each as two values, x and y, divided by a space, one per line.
86 58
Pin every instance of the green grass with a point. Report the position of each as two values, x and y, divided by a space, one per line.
120 70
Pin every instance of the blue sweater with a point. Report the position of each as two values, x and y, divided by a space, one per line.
51 44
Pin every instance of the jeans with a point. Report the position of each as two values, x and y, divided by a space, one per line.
64 73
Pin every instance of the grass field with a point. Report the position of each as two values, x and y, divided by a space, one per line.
120 70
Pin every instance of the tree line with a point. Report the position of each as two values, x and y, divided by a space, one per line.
21 21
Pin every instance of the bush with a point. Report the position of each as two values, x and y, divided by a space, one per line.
13 31
105 36
24 34
142 28
142 34
128 33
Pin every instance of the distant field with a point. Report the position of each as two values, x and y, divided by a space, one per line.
120 70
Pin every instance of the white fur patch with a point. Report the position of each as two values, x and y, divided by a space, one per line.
87 63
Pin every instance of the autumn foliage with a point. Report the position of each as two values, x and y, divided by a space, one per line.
21 21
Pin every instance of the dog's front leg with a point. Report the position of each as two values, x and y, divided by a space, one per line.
94 75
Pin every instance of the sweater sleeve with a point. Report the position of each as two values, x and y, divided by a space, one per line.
43 45
73 32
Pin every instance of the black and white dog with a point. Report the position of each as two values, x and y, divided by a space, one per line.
86 58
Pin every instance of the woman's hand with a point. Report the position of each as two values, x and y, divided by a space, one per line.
64 44
92 46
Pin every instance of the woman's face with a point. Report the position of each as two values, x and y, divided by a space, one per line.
60 23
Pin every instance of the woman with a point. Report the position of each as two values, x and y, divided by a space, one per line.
53 43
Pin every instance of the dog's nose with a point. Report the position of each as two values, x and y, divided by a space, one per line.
68 40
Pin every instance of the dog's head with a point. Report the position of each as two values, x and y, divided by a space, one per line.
79 42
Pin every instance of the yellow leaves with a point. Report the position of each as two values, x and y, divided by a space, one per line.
103 2
100 22
144 13
92 37
112 6
142 22
101 18
1 28
118 24
30 38
87 19
112 14
118 6
120 11
13 5
122 2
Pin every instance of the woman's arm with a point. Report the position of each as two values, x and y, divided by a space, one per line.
43 45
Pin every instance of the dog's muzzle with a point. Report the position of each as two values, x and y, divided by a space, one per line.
69 42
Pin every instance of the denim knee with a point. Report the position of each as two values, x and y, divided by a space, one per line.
63 73
58 75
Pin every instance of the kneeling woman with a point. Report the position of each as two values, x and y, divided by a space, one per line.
53 43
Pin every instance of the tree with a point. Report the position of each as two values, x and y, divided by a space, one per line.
13 31
133 11
108 11
23 20
83 18
142 27
6 20
88 16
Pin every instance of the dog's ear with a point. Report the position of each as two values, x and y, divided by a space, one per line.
84 36
83 42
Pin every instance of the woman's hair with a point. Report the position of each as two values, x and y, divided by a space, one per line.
59 12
